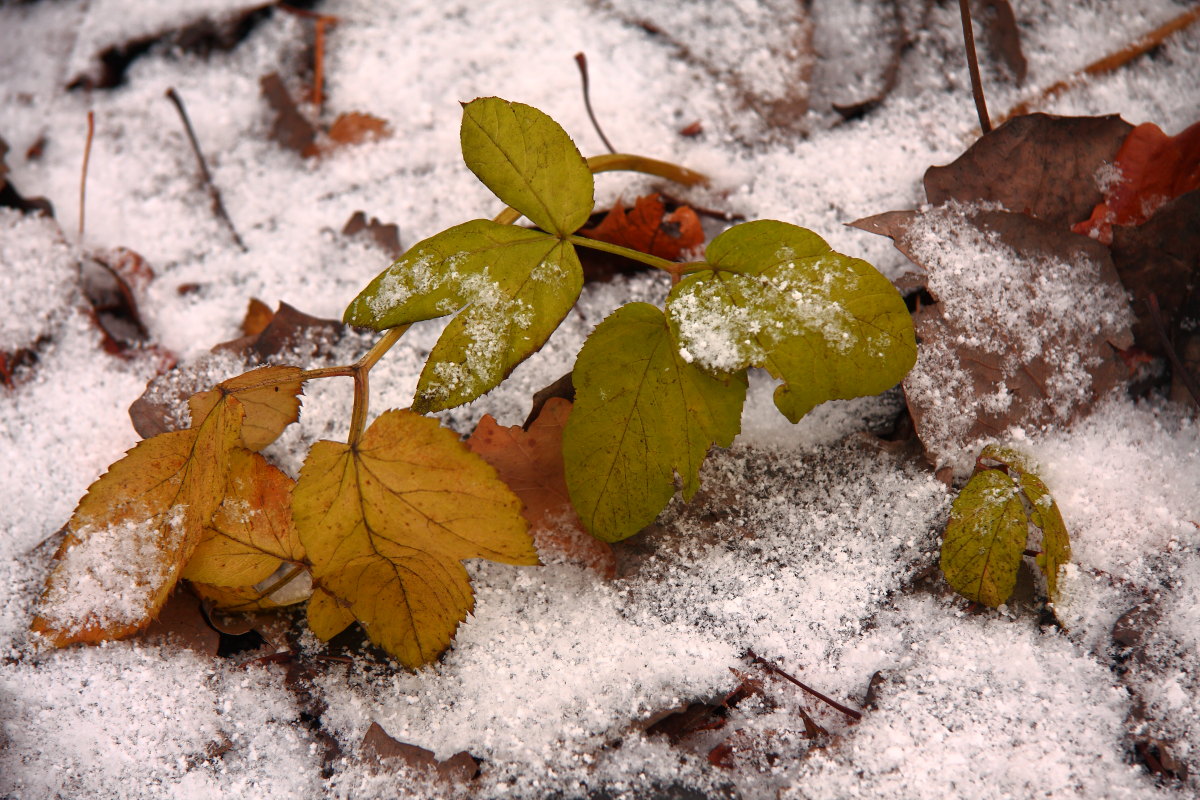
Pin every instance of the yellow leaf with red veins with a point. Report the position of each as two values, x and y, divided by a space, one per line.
251 534
135 528
387 522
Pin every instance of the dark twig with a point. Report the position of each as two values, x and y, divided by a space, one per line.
217 206
771 667
87 156
964 8
1176 362
581 62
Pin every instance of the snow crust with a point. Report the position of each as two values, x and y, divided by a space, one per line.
809 544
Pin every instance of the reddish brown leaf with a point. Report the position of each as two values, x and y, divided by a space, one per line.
648 229
1151 169
531 463
1003 36
290 128
355 127
378 745
387 236
258 317
182 620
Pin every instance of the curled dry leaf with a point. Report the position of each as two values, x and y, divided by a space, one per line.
649 229
531 463
386 532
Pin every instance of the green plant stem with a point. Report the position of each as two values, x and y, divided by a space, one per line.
617 250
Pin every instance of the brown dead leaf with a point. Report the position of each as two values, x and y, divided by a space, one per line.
647 228
355 127
531 463
289 128
258 317
386 236
1003 36
182 620
378 745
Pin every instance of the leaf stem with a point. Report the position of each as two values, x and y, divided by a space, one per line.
283 581
625 162
672 267
362 395
964 9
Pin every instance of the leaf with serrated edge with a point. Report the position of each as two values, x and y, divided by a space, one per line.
641 415
827 325
269 409
327 617
513 286
1056 543
387 522
985 538
134 530
529 162
252 533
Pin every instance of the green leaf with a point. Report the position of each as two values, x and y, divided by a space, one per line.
1056 544
529 162
827 325
985 538
641 415
513 287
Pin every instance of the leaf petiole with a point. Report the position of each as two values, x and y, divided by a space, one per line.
617 250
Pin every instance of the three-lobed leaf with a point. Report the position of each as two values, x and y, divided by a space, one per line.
511 286
529 162
776 296
386 523
642 414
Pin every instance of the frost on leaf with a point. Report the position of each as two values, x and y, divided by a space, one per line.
387 522
511 287
136 528
827 325
642 414
1024 329
529 162
989 528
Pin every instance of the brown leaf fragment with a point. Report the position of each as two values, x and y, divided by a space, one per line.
564 388
647 228
531 463
11 198
355 127
182 620
378 745
854 78
258 317
289 127
386 236
1040 165
269 395
112 283
1003 36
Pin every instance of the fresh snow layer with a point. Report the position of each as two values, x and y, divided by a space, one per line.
810 544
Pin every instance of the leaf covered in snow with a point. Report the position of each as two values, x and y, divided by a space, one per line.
777 297
642 414
386 529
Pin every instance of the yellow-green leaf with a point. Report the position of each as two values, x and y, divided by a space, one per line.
642 415
1056 544
387 522
135 529
529 162
985 538
269 409
827 325
251 534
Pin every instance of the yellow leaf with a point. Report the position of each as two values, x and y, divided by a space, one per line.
135 529
269 409
327 616
387 522
289 585
251 534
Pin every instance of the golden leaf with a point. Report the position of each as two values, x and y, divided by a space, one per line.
327 617
269 409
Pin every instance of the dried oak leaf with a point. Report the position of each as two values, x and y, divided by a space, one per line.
1151 169
135 529
531 463
387 522
1037 164
1024 329
647 228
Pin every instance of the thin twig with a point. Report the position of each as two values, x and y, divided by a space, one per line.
771 667
581 62
213 192
1176 362
318 94
87 155
964 8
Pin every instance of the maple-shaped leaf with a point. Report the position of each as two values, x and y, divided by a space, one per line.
988 530
776 296
531 463
386 523
251 534
1151 168
512 287
136 527
649 229
270 397
642 414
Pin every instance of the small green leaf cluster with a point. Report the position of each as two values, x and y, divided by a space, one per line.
989 529
655 388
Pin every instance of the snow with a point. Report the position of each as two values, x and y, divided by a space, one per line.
813 545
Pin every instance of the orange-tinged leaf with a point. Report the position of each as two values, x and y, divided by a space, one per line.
648 229
355 127
386 523
135 529
531 463
1153 168
269 408
327 616
251 534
